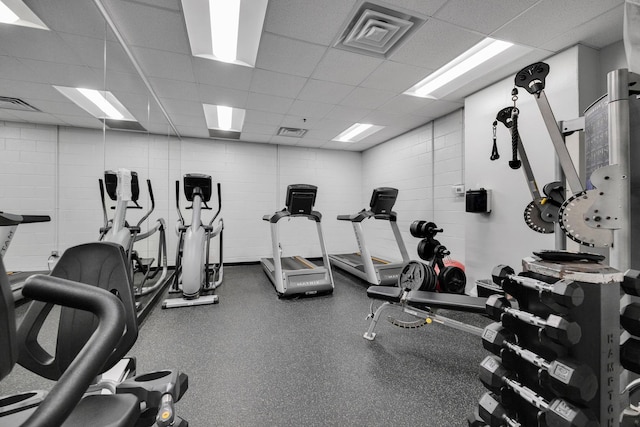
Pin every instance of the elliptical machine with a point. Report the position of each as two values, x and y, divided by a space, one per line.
196 277
148 275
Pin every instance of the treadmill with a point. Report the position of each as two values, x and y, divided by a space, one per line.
375 270
297 275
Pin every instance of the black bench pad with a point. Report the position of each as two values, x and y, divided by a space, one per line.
387 293
425 300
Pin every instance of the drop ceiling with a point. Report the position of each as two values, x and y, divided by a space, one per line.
300 79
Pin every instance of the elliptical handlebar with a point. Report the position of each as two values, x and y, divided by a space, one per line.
104 204
219 205
180 217
153 204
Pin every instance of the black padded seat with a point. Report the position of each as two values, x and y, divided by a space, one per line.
425 300
386 293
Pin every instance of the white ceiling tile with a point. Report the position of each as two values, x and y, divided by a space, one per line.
553 18
322 91
367 98
438 109
14 69
87 121
395 77
348 113
216 73
7 116
274 104
29 91
188 121
91 51
395 120
293 121
435 44
405 104
164 64
218 95
56 108
72 16
309 109
257 128
183 107
349 68
23 42
309 20
193 132
598 33
67 74
263 117
273 83
485 16
288 56
336 145
174 89
163 29
422 7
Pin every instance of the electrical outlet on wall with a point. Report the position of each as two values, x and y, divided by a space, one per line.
458 189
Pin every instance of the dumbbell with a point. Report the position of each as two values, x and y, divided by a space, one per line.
422 229
566 378
555 327
557 413
493 413
630 318
631 282
630 355
564 292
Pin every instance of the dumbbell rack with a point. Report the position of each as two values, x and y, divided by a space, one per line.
598 347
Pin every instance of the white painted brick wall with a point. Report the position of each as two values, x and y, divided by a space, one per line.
423 165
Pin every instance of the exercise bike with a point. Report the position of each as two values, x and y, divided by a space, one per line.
196 277
150 276
8 225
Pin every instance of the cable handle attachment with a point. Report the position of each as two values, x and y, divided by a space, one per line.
494 152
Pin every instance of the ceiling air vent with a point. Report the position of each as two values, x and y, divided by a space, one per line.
16 104
123 125
292 132
377 30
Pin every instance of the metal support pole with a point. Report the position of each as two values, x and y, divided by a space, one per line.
619 153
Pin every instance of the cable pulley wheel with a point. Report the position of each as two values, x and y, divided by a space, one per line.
417 276
533 217
452 280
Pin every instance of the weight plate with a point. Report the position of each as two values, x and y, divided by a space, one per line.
412 276
426 248
573 221
452 280
561 255
416 228
534 219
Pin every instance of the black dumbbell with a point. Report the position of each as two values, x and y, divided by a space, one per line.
557 413
493 413
422 229
555 327
566 378
564 292
474 420
630 355
631 282
630 318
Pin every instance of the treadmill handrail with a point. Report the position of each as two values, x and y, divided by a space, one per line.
15 219
364 214
284 213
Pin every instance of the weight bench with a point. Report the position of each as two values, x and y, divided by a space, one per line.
421 304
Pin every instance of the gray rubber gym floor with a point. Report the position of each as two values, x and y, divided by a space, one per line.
256 360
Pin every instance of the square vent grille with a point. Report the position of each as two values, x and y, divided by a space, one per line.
9 103
292 132
377 30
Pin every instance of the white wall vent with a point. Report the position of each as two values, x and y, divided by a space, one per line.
9 103
376 30
292 132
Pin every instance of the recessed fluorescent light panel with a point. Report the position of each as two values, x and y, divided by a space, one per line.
460 67
357 132
224 118
15 12
99 103
225 30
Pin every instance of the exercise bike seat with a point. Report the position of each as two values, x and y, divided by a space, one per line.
386 293
425 300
